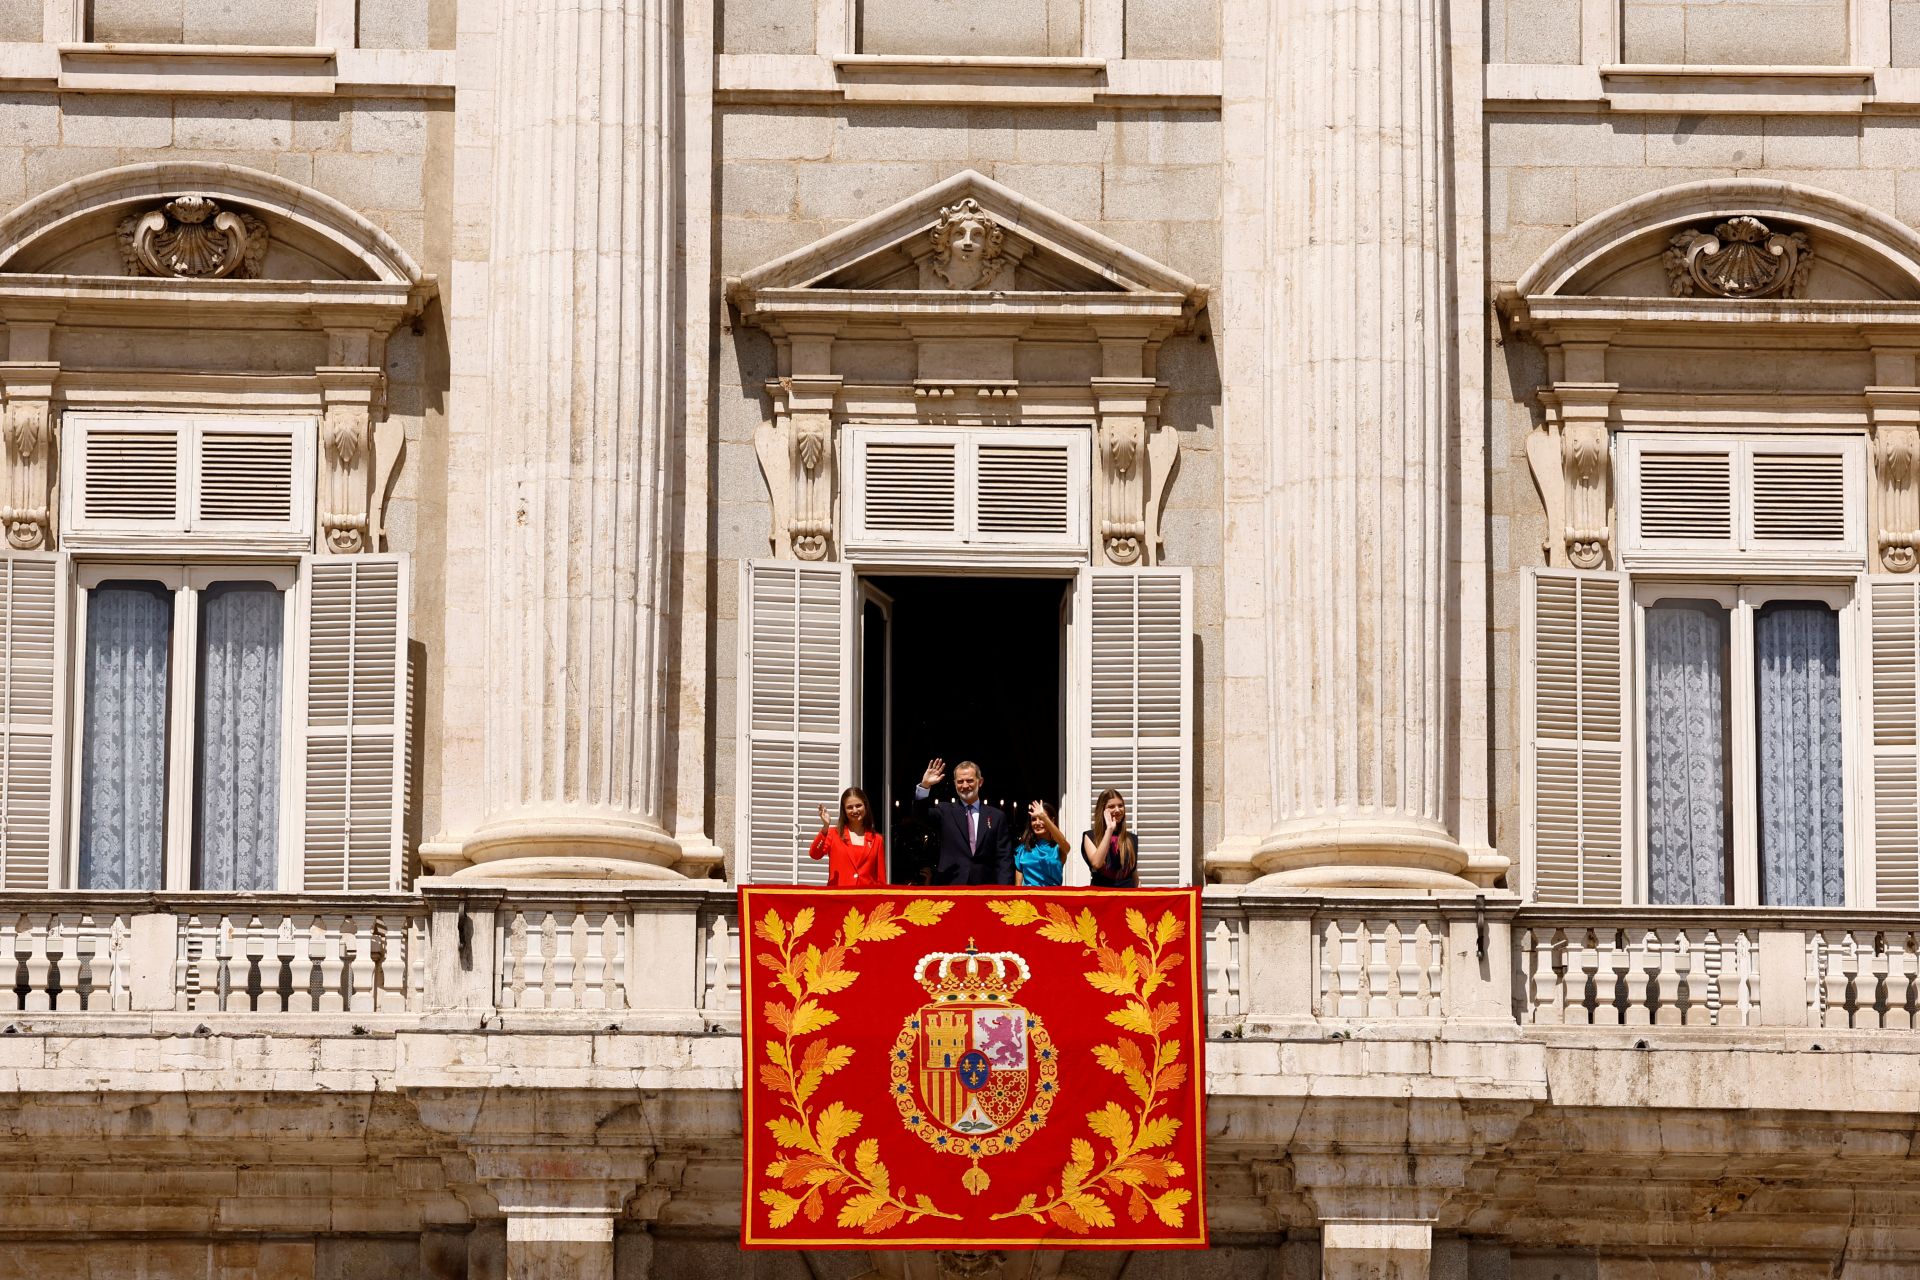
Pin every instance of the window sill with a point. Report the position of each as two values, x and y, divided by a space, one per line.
1638 88
295 71
901 78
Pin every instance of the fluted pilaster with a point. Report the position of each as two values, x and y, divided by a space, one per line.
1364 632
586 305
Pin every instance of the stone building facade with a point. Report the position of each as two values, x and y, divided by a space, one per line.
479 473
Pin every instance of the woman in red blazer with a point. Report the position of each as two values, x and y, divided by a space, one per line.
856 857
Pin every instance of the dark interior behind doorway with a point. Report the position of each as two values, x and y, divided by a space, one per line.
976 675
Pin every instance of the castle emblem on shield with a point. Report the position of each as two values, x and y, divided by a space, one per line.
974 1073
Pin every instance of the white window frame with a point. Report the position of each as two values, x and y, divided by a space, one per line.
966 545
177 537
185 579
1739 556
1741 598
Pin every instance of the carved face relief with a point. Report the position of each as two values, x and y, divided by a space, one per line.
1742 258
191 238
966 245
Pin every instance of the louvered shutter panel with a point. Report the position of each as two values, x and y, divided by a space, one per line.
33 670
1137 664
1893 606
1577 758
1024 490
246 476
1683 495
353 718
908 488
796 688
1804 498
129 474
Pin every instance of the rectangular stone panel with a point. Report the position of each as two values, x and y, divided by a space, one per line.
1031 28
284 22
1737 33
1173 28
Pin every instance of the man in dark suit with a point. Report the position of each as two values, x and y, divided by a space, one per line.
974 840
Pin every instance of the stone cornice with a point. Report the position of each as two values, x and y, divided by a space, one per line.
215 304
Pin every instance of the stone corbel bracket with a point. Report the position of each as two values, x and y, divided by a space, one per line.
1586 471
28 388
797 457
1895 416
1132 459
353 394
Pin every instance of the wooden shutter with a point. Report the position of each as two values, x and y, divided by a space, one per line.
129 473
33 682
1577 733
1136 635
907 488
1893 607
1024 489
1799 497
1682 493
246 476
353 620
796 703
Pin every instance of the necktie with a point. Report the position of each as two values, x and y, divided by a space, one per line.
973 827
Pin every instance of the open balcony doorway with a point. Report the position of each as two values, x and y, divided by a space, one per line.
963 668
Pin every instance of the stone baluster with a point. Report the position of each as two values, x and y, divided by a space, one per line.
567 930
1666 957
1900 957
332 966
1837 955
38 966
1364 619
586 295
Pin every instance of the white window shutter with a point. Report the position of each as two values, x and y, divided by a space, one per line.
353 716
1025 489
33 683
1684 495
247 476
129 474
1577 765
796 688
1893 606
1804 497
908 488
1137 662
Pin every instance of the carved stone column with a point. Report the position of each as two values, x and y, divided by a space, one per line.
1376 1249
28 389
586 303
352 396
1364 626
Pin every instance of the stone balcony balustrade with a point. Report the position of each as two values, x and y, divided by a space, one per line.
1273 962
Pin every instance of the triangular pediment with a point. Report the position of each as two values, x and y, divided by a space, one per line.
1012 245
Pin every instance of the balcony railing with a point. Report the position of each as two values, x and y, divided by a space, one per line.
672 952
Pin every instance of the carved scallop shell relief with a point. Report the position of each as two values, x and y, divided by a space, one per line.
190 237
1741 258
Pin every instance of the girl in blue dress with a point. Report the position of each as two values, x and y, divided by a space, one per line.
1041 854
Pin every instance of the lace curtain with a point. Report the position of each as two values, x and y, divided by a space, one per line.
1687 654
237 813
123 762
1797 656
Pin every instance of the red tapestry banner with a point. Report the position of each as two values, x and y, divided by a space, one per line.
981 1068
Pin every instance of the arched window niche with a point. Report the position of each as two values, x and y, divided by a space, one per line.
1718 678
1722 306
182 288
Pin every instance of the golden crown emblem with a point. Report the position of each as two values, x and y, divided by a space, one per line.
971 974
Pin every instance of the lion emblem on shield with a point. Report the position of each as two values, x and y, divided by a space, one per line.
973 1072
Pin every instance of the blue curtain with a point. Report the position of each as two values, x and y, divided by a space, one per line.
1687 657
1797 686
123 754
237 819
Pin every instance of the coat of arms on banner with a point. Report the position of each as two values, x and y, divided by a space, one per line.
974 1074
972 1068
